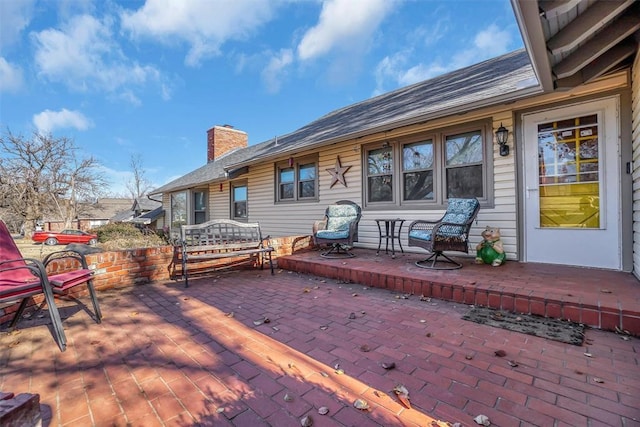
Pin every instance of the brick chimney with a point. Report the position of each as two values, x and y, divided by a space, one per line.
222 139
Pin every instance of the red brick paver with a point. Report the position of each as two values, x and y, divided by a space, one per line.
166 355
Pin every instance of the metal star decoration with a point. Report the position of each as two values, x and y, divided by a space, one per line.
337 173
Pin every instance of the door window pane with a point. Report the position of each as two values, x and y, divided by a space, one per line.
178 210
240 201
199 207
568 173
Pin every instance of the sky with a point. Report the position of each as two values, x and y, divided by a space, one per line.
146 79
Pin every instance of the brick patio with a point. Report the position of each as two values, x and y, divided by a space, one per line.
166 355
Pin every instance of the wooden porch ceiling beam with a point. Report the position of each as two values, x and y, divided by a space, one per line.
553 8
597 16
597 46
598 67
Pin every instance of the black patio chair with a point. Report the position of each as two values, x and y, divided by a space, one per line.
449 233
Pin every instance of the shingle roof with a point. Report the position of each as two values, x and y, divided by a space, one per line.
496 80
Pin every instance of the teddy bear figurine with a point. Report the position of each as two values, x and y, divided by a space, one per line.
490 249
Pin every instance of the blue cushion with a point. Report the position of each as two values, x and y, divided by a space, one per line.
332 234
420 234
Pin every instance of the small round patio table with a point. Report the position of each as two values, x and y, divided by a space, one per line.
389 234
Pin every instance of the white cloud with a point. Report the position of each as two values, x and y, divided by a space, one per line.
84 56
205 25
48 120
15 15
276 68
10 77
487 43
345 25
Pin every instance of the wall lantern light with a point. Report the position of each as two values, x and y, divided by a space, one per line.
502 135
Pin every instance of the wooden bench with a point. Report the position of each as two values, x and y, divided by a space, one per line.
218 239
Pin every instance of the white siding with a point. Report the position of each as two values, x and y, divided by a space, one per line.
635 136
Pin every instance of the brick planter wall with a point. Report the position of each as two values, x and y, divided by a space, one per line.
122 269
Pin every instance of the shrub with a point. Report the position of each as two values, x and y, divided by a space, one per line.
126 236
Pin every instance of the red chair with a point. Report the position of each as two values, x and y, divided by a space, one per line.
22 278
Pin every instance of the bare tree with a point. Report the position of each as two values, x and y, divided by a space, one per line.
138 185
43 175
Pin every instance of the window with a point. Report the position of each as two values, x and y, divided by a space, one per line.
297 180
427 170
199 207
239 202
178 210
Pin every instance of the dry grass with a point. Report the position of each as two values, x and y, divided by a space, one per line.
38 251
30 249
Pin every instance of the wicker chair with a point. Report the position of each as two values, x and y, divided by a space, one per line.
450 233
339 229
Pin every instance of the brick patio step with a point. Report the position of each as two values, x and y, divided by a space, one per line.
602 299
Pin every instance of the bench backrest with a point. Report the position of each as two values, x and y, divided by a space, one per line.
221 232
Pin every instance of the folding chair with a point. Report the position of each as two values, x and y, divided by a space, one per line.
22 278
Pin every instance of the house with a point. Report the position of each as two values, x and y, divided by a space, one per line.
92 215
564 189
148 213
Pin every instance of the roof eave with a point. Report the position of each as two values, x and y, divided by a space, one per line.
528 17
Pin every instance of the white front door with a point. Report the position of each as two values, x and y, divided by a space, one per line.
571 185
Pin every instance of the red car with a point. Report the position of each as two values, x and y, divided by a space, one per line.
64 237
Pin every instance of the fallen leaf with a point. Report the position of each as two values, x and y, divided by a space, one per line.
605 291
388 365
423 321
324 327
588 354
403 395
598 380
500 353
339 371
288 398
324 374
133 313
258 322
220 410
365 348
323 410
267 320
428 335
361 404
306 421
469 356
513 363
229 314
483 420
275 328
352 316
306 290
354 295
